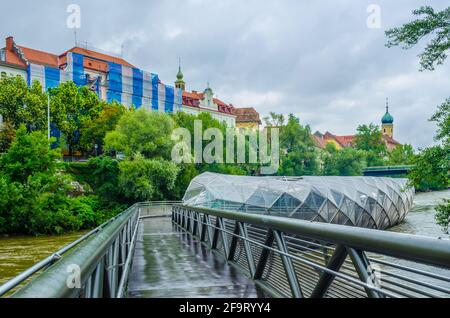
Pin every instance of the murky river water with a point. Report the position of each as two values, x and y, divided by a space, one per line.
420 220
19 253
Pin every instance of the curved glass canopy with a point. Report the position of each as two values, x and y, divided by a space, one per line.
369 202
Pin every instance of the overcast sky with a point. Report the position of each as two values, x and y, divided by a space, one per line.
316 59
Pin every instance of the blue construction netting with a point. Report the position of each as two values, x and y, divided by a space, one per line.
52 77
155 81
168 106
138 87
115 83
78 75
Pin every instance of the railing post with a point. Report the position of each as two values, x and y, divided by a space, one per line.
264 255
115 271
188 220
234 241
288 266
194 223
97 288
223 234
247 247
183 217
216 234
209 229
334 264
362 265
204 229
177 209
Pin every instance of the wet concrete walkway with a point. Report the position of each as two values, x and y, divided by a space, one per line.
170 263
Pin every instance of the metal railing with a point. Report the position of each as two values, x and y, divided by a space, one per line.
101 258
293 258
285 257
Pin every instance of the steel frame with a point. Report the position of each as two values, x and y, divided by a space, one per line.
348 269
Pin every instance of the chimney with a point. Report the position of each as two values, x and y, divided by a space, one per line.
9 43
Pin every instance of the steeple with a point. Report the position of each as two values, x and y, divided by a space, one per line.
387 118
387 122
179 83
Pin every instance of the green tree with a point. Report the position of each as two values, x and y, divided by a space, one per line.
29 154
432 164
299 154
95 129
7 135
344 162
142 132
274 120
370 139
401 155
13 92
431 169
103 177
71 108
33 194
20 104
142 179
187 121
442 120
429 23
34 114
443 215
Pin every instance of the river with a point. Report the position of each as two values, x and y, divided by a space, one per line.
420 220
19 253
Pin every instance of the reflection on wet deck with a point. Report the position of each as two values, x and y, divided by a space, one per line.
170 263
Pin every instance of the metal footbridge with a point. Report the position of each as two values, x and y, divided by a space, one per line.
165 249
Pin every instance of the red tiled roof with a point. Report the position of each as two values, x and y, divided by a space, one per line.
390 140
329 136
53 60
98 56
193 95
192 99
318 141
247 114
346 141
40 57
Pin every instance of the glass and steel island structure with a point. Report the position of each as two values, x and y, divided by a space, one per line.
369 202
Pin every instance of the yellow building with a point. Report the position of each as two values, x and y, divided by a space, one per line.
247 118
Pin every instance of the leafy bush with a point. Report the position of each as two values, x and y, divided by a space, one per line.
143 179
35 190
443 215
432 169
344 162
142 131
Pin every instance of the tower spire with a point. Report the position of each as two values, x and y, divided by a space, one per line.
179 83
387 122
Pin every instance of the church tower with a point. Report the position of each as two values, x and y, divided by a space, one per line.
179 83
387 122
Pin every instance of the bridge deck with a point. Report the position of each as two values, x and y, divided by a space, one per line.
170 263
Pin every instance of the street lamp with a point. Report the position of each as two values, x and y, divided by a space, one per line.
48 115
